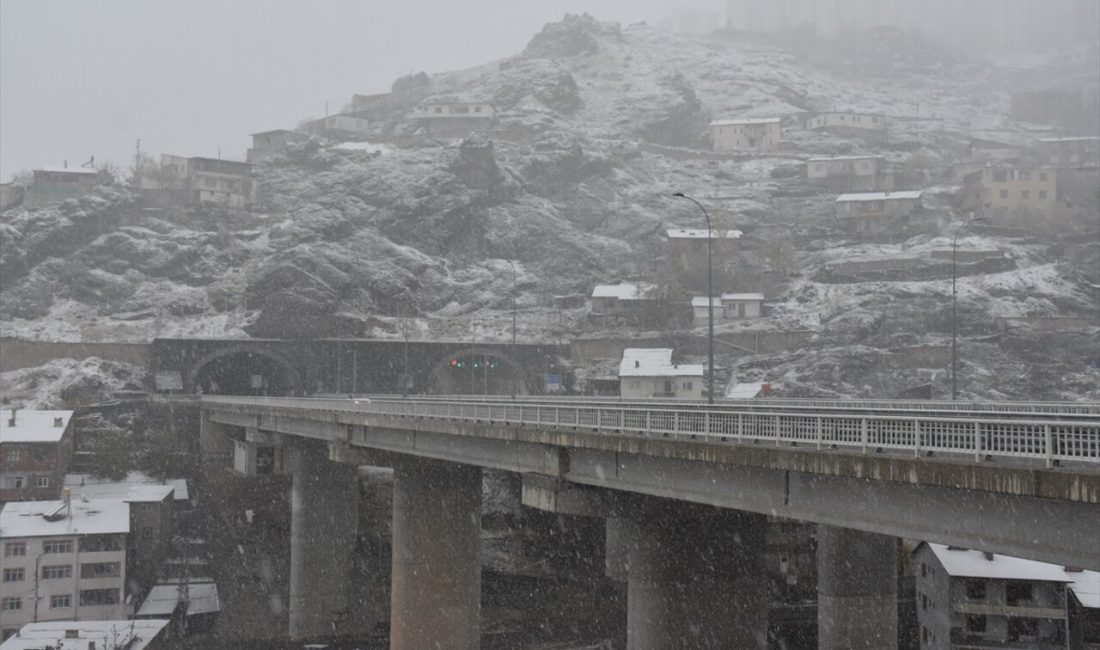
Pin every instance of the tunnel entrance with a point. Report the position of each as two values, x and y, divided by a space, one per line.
245 373
478 372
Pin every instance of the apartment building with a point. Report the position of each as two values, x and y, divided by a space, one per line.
63 560
846 172
877 212
1019 188
36 448
1069 152
758 135
199 181
844 120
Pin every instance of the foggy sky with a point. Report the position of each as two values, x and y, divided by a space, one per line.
82 78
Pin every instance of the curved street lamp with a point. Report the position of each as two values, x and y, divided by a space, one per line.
710 300
954 307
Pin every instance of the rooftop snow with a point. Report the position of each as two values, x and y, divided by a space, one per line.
750 120
655 362
67 170
92 517
836 158
33 426
701 233
202 598
701 301
742 296
623 291
106 635
878 196
744 390
135 487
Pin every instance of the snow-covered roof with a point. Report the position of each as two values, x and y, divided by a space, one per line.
91 517
655 362
274 131
623 291
841 158
879 196
965 563
1086 586
202 598
848 113
135 487
107 635
67 170
701 301
749 120
1079 138
744 390
701 233
742 296
33 426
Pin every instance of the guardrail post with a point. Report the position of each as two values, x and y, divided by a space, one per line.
916 437
777 425
675 422
977 442
706 423
740 430
817 431
1049 445
646 430
863 434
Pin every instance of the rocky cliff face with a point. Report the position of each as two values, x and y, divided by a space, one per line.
597 125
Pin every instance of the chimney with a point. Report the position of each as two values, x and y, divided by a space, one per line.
64 164
59 422
988 556
11 421
636 365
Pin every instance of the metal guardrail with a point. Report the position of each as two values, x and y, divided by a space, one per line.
1050 440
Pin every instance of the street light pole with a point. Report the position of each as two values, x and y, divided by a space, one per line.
954 307
710 300
515 359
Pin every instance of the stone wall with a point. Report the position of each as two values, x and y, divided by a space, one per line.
17 353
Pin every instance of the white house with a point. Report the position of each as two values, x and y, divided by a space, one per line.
203 181
730 306
625 297
750 135
63 560
970 599
453 118
338 126
700 234
852 172
844 120
650 372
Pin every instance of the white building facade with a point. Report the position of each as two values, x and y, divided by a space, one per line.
847 120
63 561
759 135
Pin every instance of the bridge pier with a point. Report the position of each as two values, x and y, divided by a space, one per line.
324 513
695 578
857 586
436 588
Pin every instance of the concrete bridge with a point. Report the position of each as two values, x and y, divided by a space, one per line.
283 367
686 489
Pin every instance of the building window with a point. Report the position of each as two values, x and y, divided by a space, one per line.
1042 176
15 549
975 623
438 109
61 602
687 385
57 572
12 456
13 483
1022 628
1000 176
1004 194
94 543
1017 593
100 570
42 482
11 604
14 575
975 589
92 597
923 601
58 546
1023 176
923 570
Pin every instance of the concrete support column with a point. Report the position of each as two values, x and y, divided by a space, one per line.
324 503
857 587
215 445
436 589
695 578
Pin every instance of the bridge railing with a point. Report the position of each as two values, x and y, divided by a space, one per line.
1048 439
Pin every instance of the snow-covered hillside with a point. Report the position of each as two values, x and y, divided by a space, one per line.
598 125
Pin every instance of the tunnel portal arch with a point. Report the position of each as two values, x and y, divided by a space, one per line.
242 370
478 371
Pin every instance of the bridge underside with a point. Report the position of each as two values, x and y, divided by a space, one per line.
1047 515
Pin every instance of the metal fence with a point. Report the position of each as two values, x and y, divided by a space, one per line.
983 436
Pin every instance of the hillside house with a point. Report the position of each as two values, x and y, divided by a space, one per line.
339 127
877 212
847 172
55 184
622 298
841 121
443 118
650 372
969 599
198 181
36 448
990 151
756 135
63 560
730 306
269 144
376 106
1068 152
1018 188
